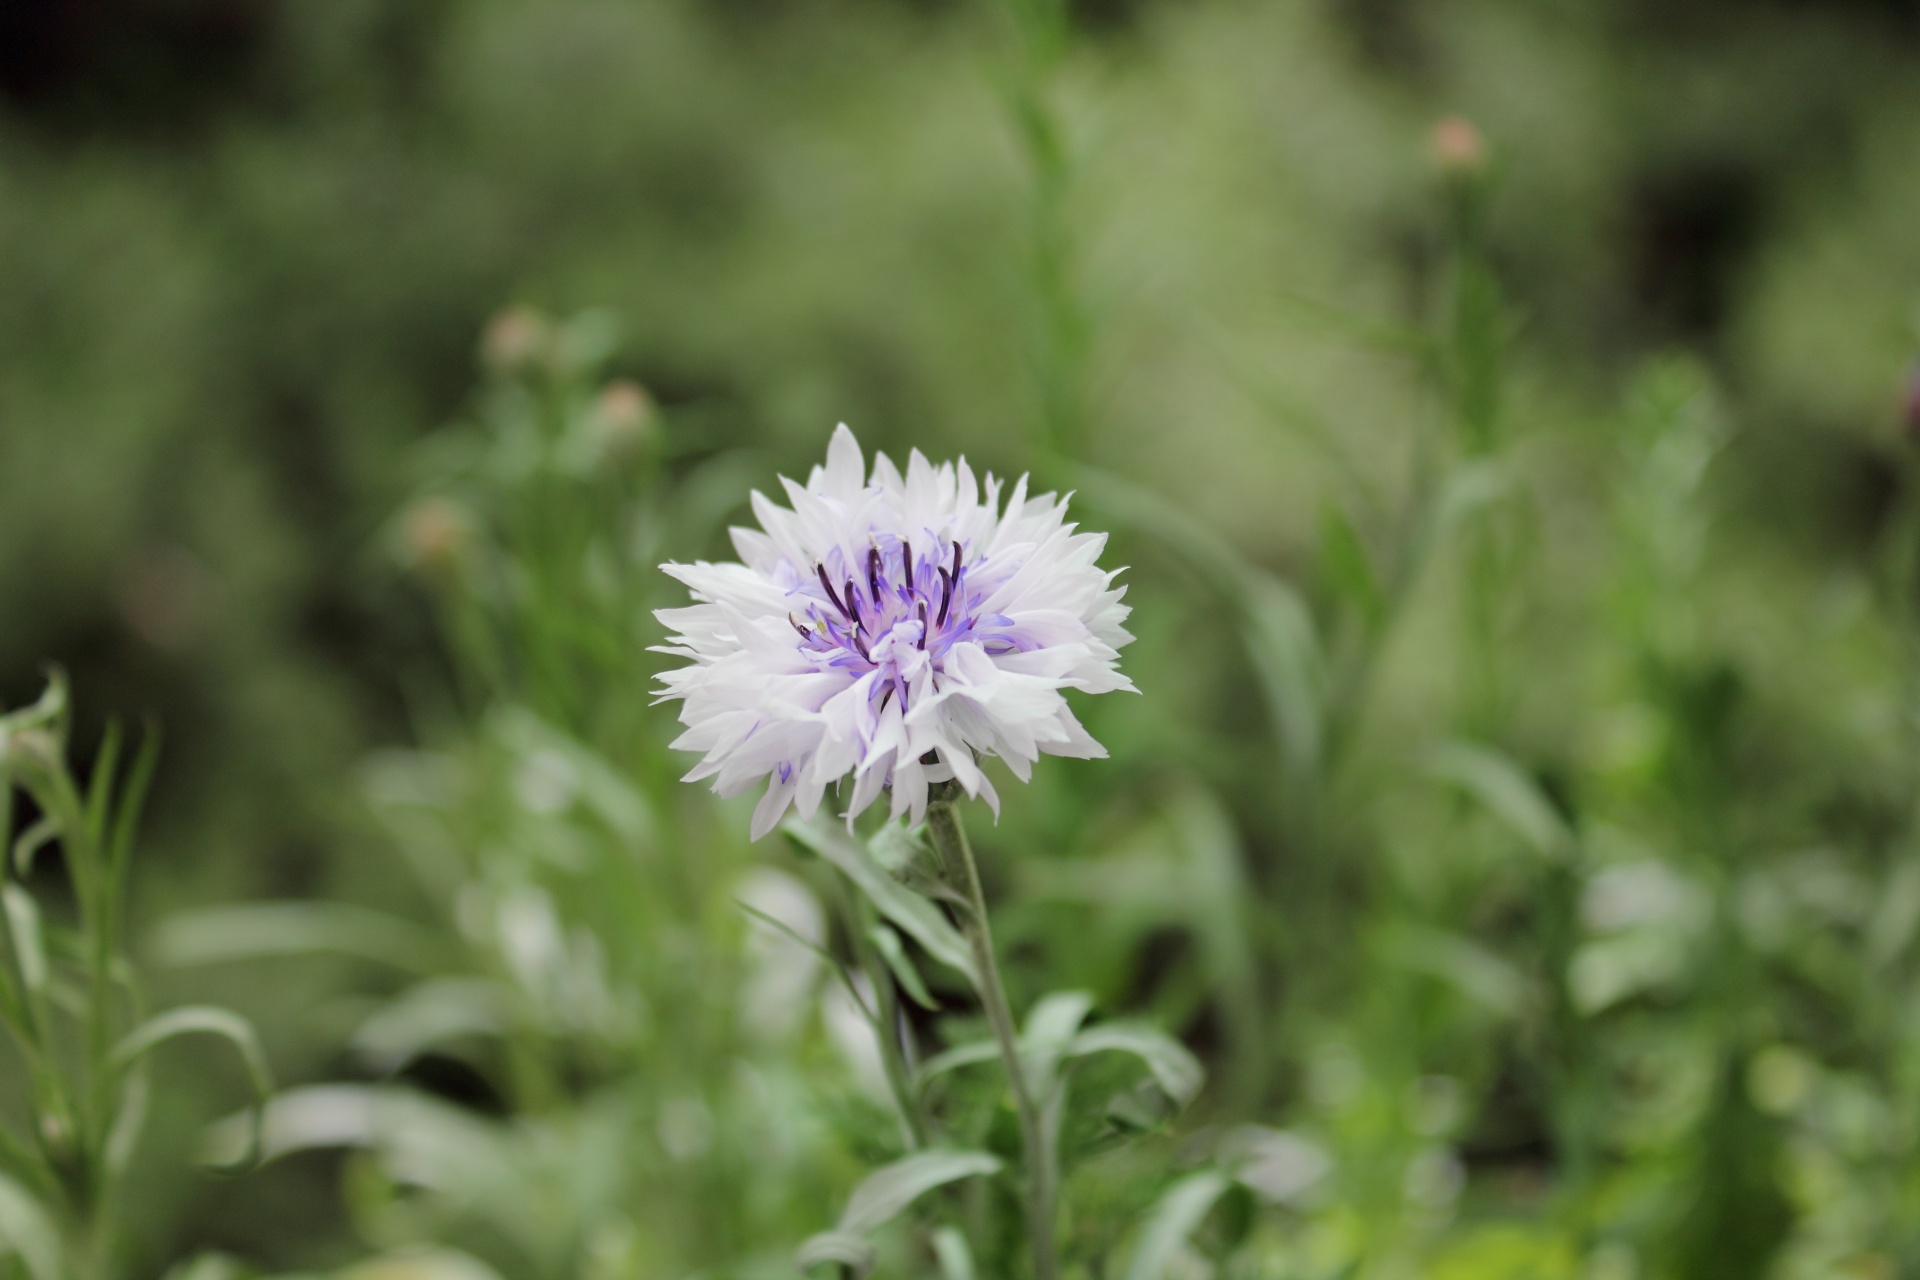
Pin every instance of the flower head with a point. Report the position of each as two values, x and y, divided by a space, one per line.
895 629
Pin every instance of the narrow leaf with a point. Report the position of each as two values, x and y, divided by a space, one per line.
915 916
839 1248
1348 567
29 949
205 1020
964 1055
833 962
884 1193
1049 1033
1508 793
956 1259
31 841
1173 1220
133 798
894 952
1173 1067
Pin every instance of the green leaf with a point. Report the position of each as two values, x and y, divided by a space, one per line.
28 1232
106 763
916 916
30 842
205 1020
133 798
29 949
1348 567
955 1258
48 710
894 952
254 931
1174 1218
883 1194
833 962
1048 1035
894 846
427 1014
838 1248
1175 1069
964 1055
1508 793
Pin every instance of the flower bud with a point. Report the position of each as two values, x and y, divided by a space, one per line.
435 533
1457 147
514 339
622 417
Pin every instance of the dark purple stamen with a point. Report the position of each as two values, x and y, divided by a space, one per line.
804 633
845 612
946 597
923 624
873 575
858 624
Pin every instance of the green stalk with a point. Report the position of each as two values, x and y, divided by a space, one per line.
956 859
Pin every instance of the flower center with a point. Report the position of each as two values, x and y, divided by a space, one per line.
893 613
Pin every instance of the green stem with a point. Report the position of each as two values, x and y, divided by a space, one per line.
956 857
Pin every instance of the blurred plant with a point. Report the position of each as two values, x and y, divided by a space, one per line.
572 968
71 1002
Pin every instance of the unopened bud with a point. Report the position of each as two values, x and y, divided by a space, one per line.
434 534
622 416
514 338
1457 147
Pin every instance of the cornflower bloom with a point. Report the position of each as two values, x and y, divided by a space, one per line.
894 629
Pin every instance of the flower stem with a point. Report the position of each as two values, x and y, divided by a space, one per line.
956 859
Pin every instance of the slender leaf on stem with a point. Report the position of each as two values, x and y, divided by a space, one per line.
1175 1069
833 961
882 1196
1175 1217
963 1055
29 843
133 798
894 952
99 796
29 948
915 915
836 1247
1048 1035
224 1024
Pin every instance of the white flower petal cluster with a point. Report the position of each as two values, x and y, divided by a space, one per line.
895 629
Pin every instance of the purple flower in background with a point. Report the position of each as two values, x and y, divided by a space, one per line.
895 628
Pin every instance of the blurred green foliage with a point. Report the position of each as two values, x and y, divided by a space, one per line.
1519 821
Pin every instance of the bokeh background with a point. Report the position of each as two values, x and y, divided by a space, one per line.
248 251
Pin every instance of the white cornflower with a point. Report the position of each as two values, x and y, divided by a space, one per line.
895 629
